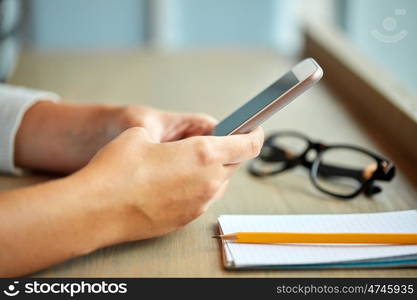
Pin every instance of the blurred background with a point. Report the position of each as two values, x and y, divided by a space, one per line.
373 26
211 56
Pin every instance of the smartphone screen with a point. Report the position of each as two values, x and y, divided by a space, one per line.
256 104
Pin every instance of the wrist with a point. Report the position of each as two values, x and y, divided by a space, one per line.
31 126
108 215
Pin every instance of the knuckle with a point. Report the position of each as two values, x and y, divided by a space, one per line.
132 116
255 147
204 152
136 131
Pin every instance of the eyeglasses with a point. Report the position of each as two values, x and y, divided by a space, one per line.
340 170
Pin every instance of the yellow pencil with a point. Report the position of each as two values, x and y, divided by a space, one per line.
320 238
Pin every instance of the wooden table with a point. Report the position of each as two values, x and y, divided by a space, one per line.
213 82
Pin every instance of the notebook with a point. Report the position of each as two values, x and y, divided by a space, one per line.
270 256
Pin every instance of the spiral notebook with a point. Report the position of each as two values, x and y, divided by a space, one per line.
263 256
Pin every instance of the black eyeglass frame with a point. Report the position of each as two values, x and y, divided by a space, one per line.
385 169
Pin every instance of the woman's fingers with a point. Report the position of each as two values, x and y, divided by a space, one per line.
182 125
238 148
199 124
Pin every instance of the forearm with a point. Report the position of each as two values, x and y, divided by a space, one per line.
48 223
69 133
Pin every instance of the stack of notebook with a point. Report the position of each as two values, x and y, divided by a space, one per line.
269 256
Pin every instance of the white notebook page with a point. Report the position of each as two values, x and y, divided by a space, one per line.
247 255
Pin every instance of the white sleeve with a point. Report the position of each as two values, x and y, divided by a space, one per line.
14 102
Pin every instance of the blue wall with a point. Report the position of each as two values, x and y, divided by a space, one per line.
364 18
87 23
248 23
182 23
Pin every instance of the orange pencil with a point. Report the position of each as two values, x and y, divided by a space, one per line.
320 238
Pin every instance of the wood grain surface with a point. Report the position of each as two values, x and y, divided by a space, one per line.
214 82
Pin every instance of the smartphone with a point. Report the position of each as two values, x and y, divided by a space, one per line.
257 110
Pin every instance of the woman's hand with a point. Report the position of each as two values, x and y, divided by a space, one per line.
164 186
62 138
134 188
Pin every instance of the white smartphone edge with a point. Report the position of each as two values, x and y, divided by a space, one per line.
308 72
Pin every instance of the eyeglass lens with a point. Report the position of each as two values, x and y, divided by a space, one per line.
278 151
293 145
342 171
